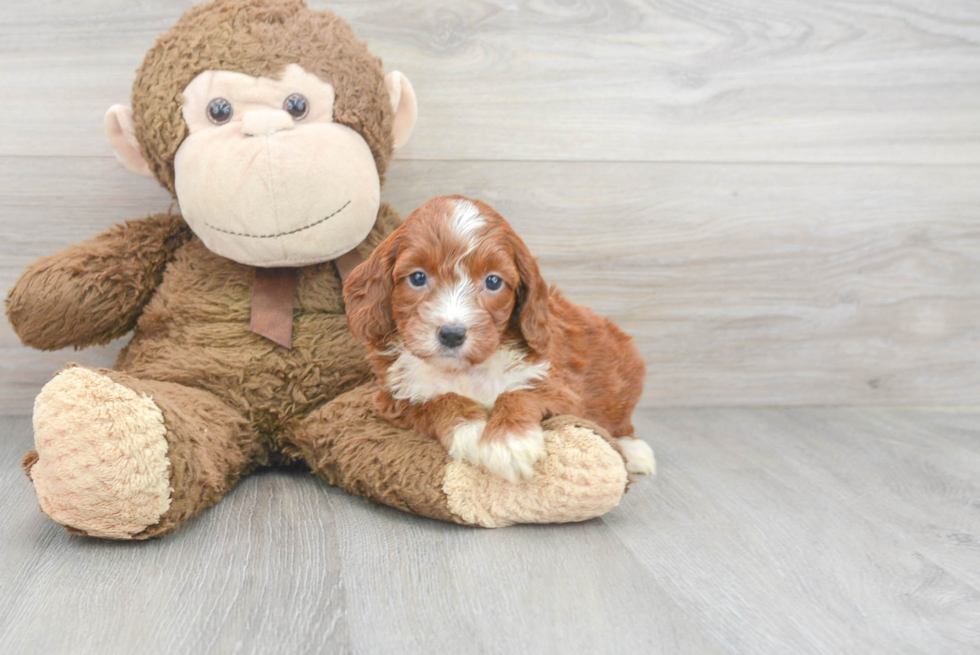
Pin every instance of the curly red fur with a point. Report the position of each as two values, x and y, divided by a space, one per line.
595 369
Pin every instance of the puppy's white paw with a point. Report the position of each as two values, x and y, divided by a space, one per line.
513 456
639 456
466 439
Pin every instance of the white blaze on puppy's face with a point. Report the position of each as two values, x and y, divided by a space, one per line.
466 221
456 303
265 184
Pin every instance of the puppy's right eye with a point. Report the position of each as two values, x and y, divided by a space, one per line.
417 279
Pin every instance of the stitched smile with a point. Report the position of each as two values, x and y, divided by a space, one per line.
280 234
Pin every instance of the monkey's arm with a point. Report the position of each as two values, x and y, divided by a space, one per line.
94 292
348 443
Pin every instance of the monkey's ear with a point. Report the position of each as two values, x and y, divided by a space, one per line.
121 133
404 105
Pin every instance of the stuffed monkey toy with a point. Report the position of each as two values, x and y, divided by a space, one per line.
272 126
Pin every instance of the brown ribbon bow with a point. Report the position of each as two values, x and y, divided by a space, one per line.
273 292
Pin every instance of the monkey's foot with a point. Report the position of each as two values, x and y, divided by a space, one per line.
581 477
101 465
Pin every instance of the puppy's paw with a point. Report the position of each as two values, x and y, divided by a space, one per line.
511 454
639 456
465 441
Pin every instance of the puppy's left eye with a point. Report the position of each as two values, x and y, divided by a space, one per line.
493 283
417 279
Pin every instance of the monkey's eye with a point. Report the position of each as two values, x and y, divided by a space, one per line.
417 279
219 111
296 106
493 283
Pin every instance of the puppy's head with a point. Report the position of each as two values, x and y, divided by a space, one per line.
452 282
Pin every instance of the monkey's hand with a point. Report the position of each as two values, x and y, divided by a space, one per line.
94 292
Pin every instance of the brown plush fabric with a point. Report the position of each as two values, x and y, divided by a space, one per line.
224 391
258 38
210 447
93 292
349 445
195 332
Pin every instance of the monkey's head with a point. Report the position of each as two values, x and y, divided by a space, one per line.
271 124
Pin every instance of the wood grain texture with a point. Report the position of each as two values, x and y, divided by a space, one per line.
814 530
761 284
766 531
870 81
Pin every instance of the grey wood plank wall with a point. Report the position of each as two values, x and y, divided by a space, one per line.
780 200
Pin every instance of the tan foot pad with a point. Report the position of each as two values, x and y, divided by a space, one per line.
581 477
102 464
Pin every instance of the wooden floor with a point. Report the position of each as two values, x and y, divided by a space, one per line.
767 531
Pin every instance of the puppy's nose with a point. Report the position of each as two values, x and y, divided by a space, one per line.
452 336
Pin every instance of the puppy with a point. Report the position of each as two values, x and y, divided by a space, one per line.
472 348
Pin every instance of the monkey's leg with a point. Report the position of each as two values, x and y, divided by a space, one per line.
348 444
123 458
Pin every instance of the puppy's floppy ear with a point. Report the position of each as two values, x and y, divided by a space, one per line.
367 294
531 311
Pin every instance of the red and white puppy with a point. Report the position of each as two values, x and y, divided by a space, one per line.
473 349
